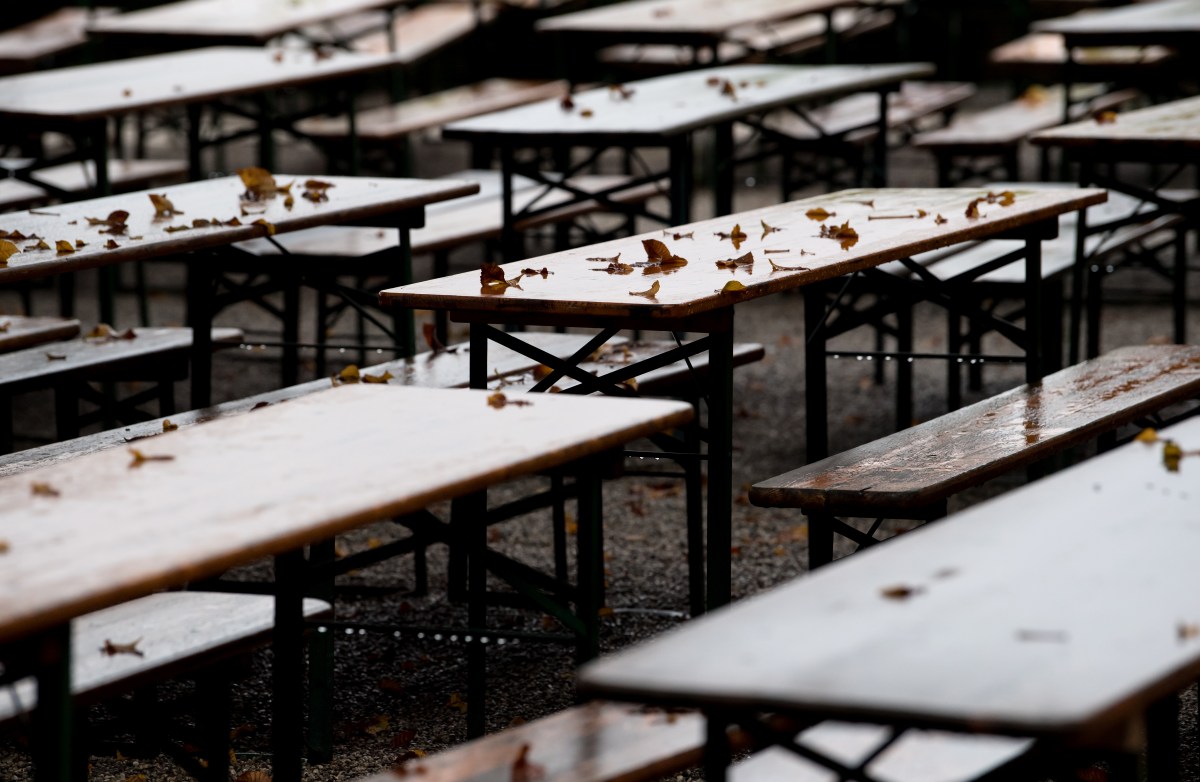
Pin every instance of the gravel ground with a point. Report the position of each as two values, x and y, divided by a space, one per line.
399 698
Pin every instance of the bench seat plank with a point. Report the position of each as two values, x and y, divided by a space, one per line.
1041 56
918 467
18 332
175 631
393 121
23 48
30 368
425 30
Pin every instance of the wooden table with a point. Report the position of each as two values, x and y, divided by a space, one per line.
393 203
1168 134
664 112
692 299
267 484
81 101
699 24
1049 612
210 22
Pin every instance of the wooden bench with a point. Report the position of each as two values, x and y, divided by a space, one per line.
157 355
410 36
175 634
997 132
1040 57
35 44
912 473
78 179
605 741
18 332
791 38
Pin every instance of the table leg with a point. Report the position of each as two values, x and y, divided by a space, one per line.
287 673
470 520
720 466
717 752
320 664
1033 311
266 131
509 250
199 317
1162 739
723 169
816 406
53 719
681 179
589 563
879 175
402 320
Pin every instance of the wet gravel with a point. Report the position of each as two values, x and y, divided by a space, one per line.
395 698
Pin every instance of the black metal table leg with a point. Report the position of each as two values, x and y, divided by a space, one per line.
723 168
681 179
199 317
53 719
816 406
1033 310
720 465
287 674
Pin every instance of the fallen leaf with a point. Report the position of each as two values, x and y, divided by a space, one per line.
456 702
176 228
348 375
1105 117
733 286
269 226
316 190
113 224
615 267
543 272
899 592
729 90
843 234
111 244
260 184
650 293
777 268
1004 198
140 458
869 204
378 724
678 235
499 401
939 220
41 245
163 208
42 489
524 770
767 229
566 103
733 263
377 379
112 649
7 250
168 426
1147 435
491 277
613 259
1034 95
973 209
1172 454
63 247
586 113
736 236
658 254
1185 630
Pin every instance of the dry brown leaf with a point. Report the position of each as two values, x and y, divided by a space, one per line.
899 592
658 254
491 278
41 245
567 103
56 357
767 229
736 236
63 247
1004 198
733 286
972 212
733 263
1105 117
43 489
168 426
7 250
315 190
679 235
1034 95
649 293
377 379
613 259
5 547
176 228
729 90
113 649
499 401
348 375
377 725
140 458
843 234
260 184
269 226
777 268
1172 455
586 113
939 220
163 208
111 244
542 272
113 224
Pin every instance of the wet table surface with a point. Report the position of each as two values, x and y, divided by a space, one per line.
1166 22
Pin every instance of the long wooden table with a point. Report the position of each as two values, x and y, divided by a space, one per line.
694 298
1167 134
81 101
394 203
665 112
225 493
1065 611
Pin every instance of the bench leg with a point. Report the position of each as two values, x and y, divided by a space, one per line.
213 688
287 696
320 666
1162 739
589 561
469 517
904 370
559 523
820 540
66 411
694 499
1179 286
52 719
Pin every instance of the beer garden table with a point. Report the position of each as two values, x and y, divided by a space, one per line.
1062 611
230 491
576 291
394 203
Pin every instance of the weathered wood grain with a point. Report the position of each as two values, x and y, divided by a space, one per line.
578 288
666 106
350 199
856 114
20 331
1054 610
935 459
251 486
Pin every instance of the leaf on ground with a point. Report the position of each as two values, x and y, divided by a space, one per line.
733 263
649 293
378 724
615 267
972 212
41 245
113 649
113 224
1004 198
457 703
176 228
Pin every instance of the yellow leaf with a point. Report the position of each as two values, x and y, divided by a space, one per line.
140 458
163 206
381 379
650 293
269 226
64 247
1147 435
843 234
1105 117
1172 454
260 184
819 214
456 702
168 426
736 236
499 401
7 250
41 489
378 725
733 286
349 374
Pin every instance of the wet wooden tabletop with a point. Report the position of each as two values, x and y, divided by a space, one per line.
886 221
351 199
1159 129
1166 22
231 21
670 20
1050 611
105 529
666 106
117 87
19 331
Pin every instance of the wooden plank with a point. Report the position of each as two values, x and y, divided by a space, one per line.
15 194
917 756
452 223
20 331
123 175
351 199
22 48
595 742
641 19
37 367
245 487
1056 610
1165 129
577 288
388 123
175 631
220 20
450 369
108 89
1047 53
858 115
425 30
1166 22
666 106
935 459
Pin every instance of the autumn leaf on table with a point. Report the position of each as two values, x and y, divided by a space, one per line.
63 247
316 190
523 769
113 224
1105 117
260 184
491 277
843 234
167 426
677 235
736 236
939 220
348 375
106 333
777 268
1147 436
113 649
567 103
660 258
43 489
380 379
767 230
1004 198
746 260
269 226
176 228
111 244
542 272
900 592
972 212
7 250
140 458
499 401
163 208
41 245
733 286
650 293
